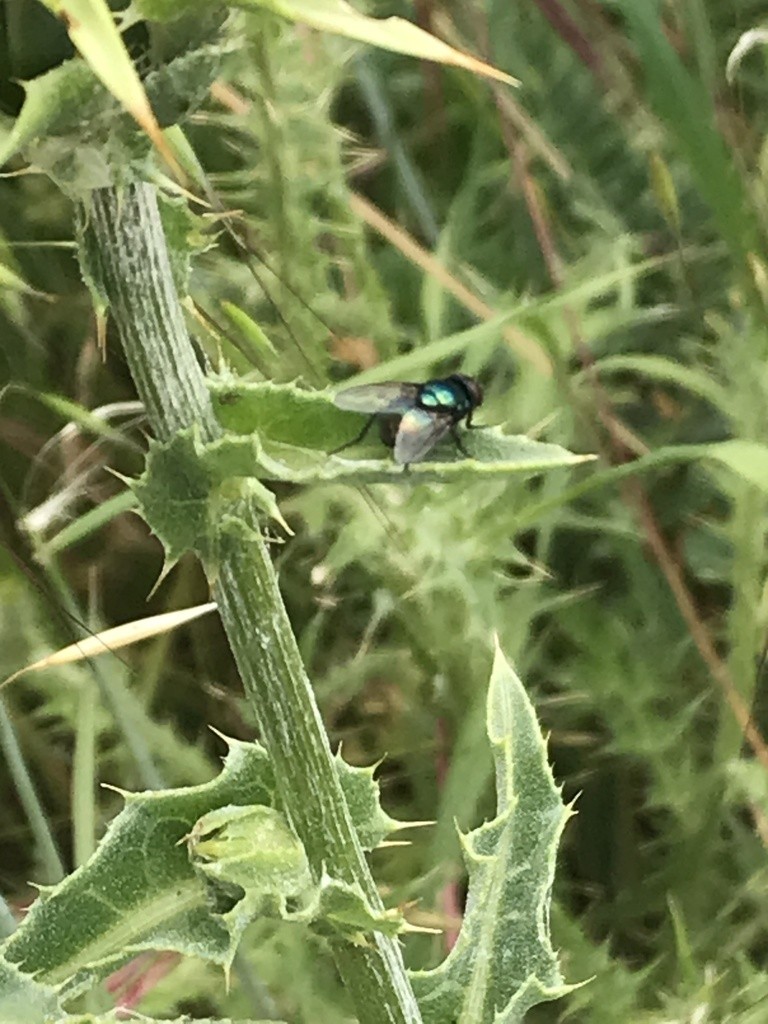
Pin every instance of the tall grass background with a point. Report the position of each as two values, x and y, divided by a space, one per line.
593 248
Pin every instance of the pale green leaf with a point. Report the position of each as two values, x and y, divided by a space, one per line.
255 864
138 890
503 962
288 432
361 791
249 846
182 228
57 99
257 342
146 889
663 186
13 282
252 857
73 128
85 525
254 850
492 454
174 495
281 412
185 497
25 1000
747 458
337 907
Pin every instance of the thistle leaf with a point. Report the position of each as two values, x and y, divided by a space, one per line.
145 888
138 890
24 999
286 432
361 790
503 962
186 497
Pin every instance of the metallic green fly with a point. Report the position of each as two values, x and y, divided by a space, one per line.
413 418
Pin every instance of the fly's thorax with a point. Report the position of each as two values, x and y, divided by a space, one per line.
456 395
444 396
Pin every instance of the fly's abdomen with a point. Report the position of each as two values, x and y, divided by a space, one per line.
388 427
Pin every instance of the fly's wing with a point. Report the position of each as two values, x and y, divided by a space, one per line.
390 396
419 433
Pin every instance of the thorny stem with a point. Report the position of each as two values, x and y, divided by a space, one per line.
125 241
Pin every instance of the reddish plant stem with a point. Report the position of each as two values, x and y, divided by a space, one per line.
450 903
572 34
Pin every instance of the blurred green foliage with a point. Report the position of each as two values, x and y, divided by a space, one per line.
615 208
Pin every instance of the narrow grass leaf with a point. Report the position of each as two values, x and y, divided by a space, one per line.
11 281
394 34
683 103
114 639
745 43
747 458
87 524
92 29
668 371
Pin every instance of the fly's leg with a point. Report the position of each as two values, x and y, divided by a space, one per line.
356 440
459 443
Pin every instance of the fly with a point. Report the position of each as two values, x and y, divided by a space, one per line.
413 418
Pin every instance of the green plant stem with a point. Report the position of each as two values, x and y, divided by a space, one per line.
126 241
84 775
746 527
52 868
